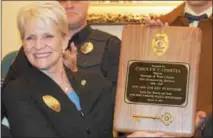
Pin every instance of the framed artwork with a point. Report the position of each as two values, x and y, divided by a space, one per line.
127 12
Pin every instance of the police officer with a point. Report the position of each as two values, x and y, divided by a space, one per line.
97 51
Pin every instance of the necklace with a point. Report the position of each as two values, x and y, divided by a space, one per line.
66 89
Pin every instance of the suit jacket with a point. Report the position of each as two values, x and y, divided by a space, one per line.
30 116
176 18
5 132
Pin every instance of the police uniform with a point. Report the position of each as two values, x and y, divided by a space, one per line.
103 57
37 107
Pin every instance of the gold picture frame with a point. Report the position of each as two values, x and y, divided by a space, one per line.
127 12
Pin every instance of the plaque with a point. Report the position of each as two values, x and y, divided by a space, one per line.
157 80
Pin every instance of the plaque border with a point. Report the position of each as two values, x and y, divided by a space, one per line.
155 104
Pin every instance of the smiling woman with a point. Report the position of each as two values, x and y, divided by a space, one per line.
48 100
44 33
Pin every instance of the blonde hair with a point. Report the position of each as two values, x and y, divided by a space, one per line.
45 11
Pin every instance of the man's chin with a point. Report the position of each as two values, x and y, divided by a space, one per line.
196 3
74 25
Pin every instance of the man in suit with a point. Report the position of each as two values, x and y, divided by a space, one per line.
196 14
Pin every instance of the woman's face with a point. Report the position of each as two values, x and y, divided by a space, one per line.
43 44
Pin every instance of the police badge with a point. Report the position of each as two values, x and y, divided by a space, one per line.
86 48
160 43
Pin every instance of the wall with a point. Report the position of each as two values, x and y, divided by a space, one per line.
10 35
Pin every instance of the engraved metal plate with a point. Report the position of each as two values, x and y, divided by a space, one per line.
159 83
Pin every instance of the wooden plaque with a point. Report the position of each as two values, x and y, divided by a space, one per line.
157 80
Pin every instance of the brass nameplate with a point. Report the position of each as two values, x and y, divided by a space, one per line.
159 83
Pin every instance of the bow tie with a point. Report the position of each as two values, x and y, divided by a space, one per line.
192 18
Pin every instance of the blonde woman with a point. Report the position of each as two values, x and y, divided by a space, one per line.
50 100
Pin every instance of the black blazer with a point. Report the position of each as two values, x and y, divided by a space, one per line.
29 116
5 132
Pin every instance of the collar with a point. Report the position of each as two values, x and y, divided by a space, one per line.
178 12
190 11
81 36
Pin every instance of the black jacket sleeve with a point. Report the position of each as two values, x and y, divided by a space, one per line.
25 118
111 59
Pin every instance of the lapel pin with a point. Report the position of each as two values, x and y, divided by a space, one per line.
52 103
83 82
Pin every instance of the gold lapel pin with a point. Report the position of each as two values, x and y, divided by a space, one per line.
52 103
83 82
86 48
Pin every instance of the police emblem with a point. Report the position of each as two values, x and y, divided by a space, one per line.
166 119
160 43
86 48
52 103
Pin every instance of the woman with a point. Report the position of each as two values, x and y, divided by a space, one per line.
50 100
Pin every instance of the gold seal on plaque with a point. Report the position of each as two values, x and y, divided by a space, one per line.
160 43
52 103
166 119
86 48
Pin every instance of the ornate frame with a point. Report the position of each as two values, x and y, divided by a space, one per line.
96 17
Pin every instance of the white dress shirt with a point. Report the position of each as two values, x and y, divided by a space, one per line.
190 11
